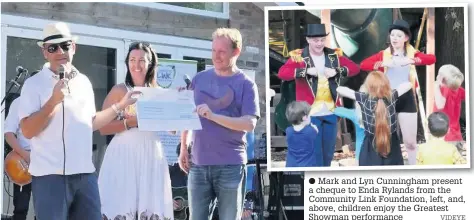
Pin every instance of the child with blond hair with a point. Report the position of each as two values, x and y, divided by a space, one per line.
449 96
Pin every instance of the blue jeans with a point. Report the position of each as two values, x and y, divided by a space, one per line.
70 197
224 183
327 126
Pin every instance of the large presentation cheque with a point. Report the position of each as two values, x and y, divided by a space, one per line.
166 110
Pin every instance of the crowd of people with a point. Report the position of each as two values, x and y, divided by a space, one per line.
385 103
51 125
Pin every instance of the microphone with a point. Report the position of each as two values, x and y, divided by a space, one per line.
20 69
61 70
187 81
61 73
14 82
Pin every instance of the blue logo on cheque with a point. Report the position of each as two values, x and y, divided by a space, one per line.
165 75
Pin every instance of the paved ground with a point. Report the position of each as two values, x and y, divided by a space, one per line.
346 158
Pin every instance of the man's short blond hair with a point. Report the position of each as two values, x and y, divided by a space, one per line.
452 75
230 33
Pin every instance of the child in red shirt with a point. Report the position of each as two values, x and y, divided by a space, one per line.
448 98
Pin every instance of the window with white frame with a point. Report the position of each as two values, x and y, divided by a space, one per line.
210 9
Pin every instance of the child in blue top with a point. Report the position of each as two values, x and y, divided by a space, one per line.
355 116
301 137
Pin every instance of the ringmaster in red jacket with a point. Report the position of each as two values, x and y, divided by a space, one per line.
317 71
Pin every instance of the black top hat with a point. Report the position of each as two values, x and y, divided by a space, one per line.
401 25
316 30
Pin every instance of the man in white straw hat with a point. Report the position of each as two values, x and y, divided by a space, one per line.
57 112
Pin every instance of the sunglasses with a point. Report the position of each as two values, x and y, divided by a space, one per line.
52 48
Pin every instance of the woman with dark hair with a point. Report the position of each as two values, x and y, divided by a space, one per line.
134 180
398 62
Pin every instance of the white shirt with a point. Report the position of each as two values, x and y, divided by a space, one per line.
47 155
320 63
12 124
398 75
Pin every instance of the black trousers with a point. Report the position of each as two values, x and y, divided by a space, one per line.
21 201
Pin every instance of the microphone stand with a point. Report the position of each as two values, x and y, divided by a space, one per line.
13 83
